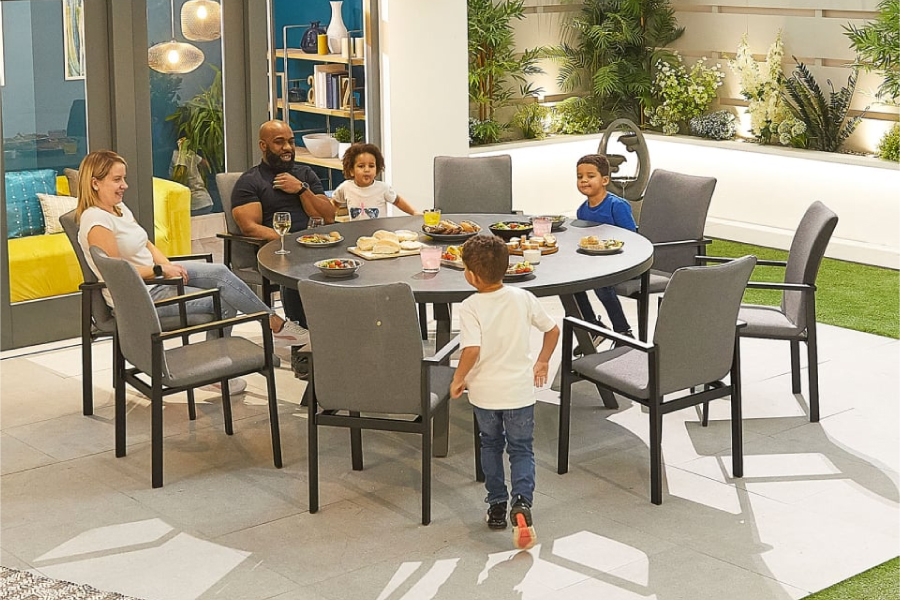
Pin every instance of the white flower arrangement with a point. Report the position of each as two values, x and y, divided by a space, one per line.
762 87
684 94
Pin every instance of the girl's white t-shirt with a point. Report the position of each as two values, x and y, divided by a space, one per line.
368 202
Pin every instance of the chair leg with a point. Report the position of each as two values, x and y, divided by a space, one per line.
356 456
119 389
87 368
423 320
226 408
795 367
313 449
192 406
479 470
156 434
737 435
273 417
644 306
813 357
655 451
426 473
565 414
704 414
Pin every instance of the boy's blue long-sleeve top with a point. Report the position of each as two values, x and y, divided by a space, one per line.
612 211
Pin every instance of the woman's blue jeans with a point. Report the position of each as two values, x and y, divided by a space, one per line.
514 429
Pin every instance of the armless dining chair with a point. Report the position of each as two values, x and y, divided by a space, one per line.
795 319
98 321
141 341
478 184
695 345
385 383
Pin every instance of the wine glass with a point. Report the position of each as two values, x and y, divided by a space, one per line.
281 223
315 222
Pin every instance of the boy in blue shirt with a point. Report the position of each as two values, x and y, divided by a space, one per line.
602 207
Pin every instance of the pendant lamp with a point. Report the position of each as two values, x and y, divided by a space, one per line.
201 20
174 57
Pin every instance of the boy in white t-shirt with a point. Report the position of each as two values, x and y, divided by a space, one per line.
496 367
361 194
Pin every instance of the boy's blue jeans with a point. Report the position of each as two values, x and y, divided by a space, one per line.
611 303
513 428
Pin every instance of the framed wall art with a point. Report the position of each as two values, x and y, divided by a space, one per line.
73 38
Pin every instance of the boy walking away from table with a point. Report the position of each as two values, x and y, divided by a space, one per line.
361 194
601 206
497 368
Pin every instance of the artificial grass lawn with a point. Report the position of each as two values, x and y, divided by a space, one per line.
878 583
848 295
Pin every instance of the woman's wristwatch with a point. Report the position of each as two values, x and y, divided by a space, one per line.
157 270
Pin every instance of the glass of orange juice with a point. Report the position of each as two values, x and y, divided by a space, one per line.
432 216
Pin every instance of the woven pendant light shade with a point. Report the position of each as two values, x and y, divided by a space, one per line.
174 57
201 20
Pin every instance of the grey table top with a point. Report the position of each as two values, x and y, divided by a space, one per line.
565 272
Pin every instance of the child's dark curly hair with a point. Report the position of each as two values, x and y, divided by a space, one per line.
487 257
353 153
598 160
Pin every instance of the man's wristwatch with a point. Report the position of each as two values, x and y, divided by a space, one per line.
303 187
157 270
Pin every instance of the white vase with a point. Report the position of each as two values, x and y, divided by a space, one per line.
336 29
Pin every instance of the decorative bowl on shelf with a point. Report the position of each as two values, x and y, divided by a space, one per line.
321 145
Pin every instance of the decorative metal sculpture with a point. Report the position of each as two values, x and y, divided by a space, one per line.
631 188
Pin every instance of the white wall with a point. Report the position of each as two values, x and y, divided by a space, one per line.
424 62
760 196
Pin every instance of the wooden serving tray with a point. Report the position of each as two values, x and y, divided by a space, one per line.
544 250
369 255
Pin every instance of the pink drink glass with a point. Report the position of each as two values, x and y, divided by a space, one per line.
431 258
542 226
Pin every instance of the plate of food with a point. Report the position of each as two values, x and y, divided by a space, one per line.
510 229
452 257
519 270
320 240
556 221
594 245
546 244
339 267
450 231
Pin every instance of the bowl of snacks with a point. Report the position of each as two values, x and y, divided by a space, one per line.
593 245
451 231
338 267
556 221
510 229
320 240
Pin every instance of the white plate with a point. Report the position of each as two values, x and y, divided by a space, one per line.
601 251
319 244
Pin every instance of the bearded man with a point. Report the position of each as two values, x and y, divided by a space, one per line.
278 184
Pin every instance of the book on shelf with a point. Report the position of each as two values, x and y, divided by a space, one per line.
333 91
320 82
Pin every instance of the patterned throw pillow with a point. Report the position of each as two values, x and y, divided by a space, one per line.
23 209
53 208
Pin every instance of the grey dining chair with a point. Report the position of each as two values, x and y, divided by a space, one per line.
140 340
795 319
239 251
98 321
385 383
695 345
673 217
480 184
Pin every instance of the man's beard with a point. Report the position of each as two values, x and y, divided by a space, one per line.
277 164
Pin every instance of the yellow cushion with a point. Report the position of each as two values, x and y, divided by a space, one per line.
41 266
62 186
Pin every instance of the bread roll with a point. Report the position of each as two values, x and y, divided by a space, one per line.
381 234
386 247
591 240
366 243
410 245
405 235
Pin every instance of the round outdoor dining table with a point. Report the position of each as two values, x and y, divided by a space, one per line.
561 274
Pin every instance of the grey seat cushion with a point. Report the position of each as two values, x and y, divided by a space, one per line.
658 282
218 358
766 321
622 368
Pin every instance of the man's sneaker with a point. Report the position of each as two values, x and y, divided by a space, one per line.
496 516
291 334
235 386
626 333
299 364
595 339
524 536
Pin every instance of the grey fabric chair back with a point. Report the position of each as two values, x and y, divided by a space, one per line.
366 347
102 314
481 184
675 208
805 257
243 256
696 325
136 318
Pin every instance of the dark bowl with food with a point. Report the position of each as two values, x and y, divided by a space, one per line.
510 229
556 221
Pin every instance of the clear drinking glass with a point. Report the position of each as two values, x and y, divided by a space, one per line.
315 222
281 223
431 216
431 258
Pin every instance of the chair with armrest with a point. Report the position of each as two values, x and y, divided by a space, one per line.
392 386
478 184
673 216
239 250
140 340
98 321
695 344
795 319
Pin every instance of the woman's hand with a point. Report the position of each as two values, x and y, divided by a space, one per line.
173 271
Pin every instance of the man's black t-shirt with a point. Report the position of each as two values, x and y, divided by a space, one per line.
257 185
